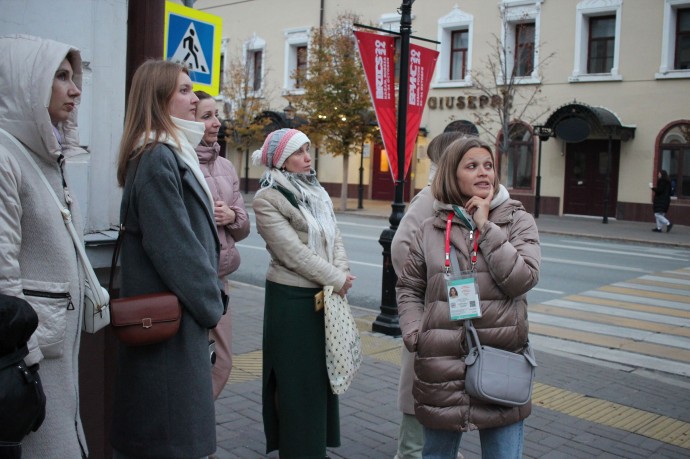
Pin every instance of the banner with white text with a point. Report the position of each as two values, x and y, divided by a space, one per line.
378 53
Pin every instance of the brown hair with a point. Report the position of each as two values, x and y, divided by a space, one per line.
439 144
153 86
445 186
201 95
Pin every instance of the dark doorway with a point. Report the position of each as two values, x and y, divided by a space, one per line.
586 165
382 184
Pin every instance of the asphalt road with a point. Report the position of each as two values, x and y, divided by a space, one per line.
569 264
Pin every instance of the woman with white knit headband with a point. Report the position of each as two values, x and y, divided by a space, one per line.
294 215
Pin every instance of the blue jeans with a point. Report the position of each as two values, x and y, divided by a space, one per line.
498 443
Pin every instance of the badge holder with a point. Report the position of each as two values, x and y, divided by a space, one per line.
462 286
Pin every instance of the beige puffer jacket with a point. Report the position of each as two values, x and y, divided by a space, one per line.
507 268
286 233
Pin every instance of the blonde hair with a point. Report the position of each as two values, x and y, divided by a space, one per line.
148 104
445 186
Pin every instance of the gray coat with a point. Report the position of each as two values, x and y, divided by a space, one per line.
36 251
163 396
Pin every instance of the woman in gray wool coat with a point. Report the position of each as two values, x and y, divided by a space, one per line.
163 397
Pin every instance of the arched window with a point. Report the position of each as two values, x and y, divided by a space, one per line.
517 161
674 158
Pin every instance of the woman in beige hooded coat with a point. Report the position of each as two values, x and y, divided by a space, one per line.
40 83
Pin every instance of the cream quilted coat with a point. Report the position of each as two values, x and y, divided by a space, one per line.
507 268
36 252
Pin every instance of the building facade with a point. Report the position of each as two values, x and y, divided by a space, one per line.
602 83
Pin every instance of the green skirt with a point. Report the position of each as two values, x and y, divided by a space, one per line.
300 411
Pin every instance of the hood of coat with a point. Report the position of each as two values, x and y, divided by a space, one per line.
27 69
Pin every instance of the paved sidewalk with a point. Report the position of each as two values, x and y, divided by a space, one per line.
583 408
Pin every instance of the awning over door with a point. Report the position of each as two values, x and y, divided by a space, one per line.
575 122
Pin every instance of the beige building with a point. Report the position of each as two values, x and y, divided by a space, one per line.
612 109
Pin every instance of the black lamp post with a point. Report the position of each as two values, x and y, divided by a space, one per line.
289 112
360 189
544 134
387 322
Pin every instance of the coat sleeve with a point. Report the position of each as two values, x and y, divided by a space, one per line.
11 239
288 249
421 208
175 251
339 254
410 292
514 260
239 229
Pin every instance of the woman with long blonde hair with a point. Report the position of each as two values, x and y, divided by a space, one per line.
163 397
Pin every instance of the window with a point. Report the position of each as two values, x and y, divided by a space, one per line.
520 38
254 61
458 54
524 49
597 41
297 59
601 42
674 158
675 46
516 162
682 60
455 58
301 66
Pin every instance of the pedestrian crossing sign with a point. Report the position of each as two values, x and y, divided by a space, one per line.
193 38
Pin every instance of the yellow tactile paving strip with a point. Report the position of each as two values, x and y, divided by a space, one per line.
651 425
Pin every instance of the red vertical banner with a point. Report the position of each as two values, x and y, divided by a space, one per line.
422 64
378 53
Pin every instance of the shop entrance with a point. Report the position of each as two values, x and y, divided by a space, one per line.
382 185
586 166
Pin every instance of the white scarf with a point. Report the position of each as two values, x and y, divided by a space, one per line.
192 133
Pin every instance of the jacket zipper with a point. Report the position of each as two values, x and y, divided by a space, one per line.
70 305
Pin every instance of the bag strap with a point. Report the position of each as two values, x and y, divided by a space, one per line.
67 219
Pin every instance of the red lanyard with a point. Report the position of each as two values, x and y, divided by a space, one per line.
473 238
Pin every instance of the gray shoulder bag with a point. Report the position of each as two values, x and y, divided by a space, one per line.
494 375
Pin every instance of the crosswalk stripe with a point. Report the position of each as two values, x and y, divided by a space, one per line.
643 322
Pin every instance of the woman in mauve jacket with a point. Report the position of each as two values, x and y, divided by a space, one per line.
467 188
232 223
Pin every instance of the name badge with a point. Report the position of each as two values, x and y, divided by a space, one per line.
463 296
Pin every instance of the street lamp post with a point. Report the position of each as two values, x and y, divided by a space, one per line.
387 322
360 190
544 134
289 112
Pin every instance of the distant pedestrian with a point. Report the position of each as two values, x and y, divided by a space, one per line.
294 215
476 215
232 223
40 82
662 201
411 434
